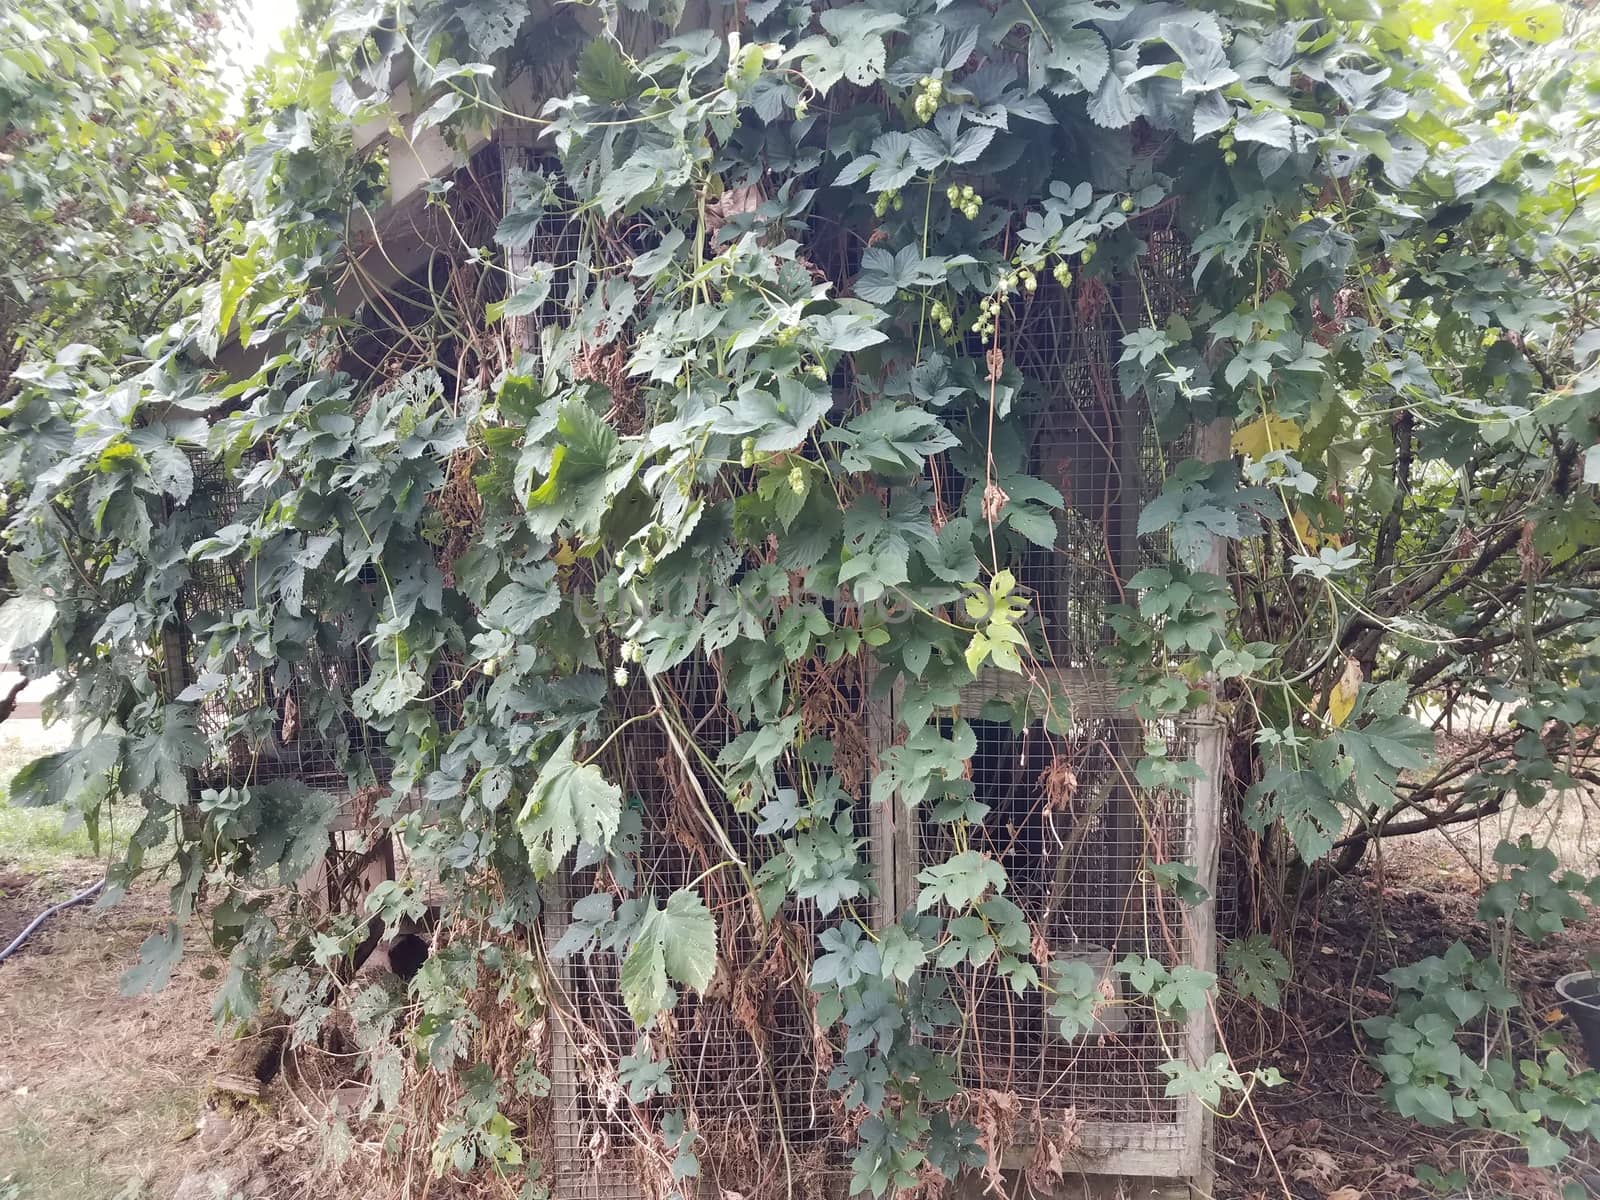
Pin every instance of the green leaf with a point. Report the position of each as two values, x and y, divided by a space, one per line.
390 688
1256 969
911 768
1073 59
525 208
677 943
891 440
491 25
159 954
528 298
1205 62
1380 750
570 803
1184 990
1206 1082
854 49
781 421
1544 1148
644 1077
1078 998
585 474
900 953
1268 128
883 274
959 881
1480 163
947 144
23 621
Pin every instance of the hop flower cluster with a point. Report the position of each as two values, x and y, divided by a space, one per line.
964 200
930 94
988 313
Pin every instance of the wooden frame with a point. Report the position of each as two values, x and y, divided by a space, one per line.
1171 1158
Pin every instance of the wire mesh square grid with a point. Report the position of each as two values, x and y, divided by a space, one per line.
296 724
749 1066
1073 833
1093 442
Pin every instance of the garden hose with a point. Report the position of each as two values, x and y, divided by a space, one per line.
47 914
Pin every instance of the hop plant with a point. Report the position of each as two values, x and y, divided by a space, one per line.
930 94
797 480
747 453
964 200
1063 273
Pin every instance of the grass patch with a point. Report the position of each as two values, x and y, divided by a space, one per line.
38 840
65 1152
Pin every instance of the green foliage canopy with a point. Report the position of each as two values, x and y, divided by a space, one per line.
1389 222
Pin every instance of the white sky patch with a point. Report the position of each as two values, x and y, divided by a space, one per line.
263 24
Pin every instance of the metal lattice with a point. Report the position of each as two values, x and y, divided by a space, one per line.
295 723
290 737
748 1065
1073 834
1092 443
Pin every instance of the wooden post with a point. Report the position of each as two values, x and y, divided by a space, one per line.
1205 823
517 153
886 820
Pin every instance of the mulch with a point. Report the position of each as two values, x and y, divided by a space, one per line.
1326 1134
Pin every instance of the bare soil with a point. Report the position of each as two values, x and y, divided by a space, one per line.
1327 1133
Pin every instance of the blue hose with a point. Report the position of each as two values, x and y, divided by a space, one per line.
46 915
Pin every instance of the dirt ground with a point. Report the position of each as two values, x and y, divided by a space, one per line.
1327 1131
97 1091
105 1097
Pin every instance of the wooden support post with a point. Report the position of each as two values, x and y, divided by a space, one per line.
517 153
1205 824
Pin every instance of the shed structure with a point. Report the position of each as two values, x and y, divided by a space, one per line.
1075 834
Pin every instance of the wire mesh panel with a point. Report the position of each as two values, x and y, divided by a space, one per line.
1064 815
1092 443
1073 834
748 1065
295 722
281 728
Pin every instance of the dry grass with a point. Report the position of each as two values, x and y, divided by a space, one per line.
97 1090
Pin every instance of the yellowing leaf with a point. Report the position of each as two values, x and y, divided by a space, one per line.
1342 700
1539 22
1311 536
1264 435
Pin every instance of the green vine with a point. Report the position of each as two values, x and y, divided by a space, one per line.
830 408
